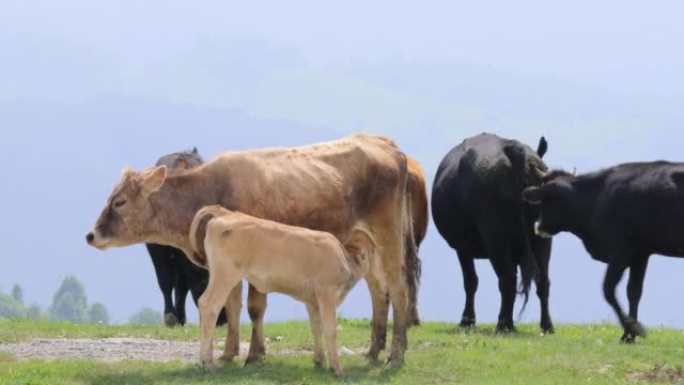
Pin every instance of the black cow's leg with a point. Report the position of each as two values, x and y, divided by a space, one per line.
166 278
181 294
543 284
635 285
610 282
507 274
470 282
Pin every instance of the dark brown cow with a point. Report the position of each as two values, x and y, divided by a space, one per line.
330 186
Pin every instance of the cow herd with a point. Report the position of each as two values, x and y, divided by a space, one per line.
311 221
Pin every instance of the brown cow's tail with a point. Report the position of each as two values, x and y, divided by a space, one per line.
413 265
198 231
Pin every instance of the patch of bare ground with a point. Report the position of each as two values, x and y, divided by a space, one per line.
660 374
125 348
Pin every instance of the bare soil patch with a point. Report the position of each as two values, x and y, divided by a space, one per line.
109 349
661 374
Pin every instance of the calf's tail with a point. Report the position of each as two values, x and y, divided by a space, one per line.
198 231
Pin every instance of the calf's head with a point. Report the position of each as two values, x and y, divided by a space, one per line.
128 214
553 197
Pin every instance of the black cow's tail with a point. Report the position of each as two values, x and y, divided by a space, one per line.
528 263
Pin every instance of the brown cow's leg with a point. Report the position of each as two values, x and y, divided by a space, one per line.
317 331
391 255
380 300
233 307
256 306
210 303
327 304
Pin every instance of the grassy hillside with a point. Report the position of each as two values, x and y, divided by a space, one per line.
439 354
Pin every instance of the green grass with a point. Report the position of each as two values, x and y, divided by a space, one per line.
439 353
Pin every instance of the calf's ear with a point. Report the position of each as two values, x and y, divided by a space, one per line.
153 180
542 147
533 195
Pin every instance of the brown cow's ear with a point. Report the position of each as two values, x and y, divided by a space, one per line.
533 195
126 172
153 180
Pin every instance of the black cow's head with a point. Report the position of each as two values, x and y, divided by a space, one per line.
553 197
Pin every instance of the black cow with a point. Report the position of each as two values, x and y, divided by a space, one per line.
622 214
175 273
478 209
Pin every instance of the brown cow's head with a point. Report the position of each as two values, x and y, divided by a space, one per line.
128 214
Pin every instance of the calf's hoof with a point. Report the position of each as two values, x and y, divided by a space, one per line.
208 366
170 319
337 371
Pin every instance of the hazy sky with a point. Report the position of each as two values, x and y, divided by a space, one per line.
87 88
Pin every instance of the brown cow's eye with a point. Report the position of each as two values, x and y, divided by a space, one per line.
119 203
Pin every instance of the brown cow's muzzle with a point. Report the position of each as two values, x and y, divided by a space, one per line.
95 240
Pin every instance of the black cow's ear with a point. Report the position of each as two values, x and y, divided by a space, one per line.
542 147
533 195
194 150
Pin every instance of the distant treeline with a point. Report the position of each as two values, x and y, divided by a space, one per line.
69 303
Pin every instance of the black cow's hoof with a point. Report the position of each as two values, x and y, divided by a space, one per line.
628 339
467 322
547 329
505 329
170 319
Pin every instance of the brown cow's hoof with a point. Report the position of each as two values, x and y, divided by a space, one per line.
395 362
208 366
254 360
336 371
372 356
170 320
227 358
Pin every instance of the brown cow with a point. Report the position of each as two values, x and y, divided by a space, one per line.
311 266
330 187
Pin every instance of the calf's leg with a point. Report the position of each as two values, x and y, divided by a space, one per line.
317 331
327 304
256 307
232 309
210 304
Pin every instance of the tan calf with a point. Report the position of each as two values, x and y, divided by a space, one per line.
311 266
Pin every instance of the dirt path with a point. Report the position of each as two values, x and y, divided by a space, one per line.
109 349
125 348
